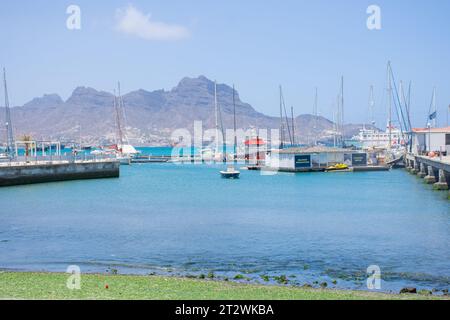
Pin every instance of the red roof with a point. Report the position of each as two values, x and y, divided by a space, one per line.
255 142
433 130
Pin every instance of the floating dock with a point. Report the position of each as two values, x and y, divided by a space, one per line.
151 159
30 172
319 159
305 170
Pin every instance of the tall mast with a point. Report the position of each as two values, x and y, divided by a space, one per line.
121 107
402 94
315 116
118 124
281 120
434 107
338 121
389 104
408 105
216 109
287 121
293 126
8 124
371 106
234 126
334 130
342 110
79 135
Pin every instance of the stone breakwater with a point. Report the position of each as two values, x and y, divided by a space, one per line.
21 173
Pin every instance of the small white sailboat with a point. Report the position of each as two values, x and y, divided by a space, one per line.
231 172
124 150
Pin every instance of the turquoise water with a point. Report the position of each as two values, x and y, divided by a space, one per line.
185 220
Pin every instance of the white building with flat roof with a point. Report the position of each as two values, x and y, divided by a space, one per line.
314 158
431 139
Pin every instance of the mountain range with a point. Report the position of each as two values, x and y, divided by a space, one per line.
151 116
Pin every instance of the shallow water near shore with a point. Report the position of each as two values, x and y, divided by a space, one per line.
185 220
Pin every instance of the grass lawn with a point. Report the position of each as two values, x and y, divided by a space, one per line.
18 285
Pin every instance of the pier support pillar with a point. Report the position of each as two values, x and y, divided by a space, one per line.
430 178
422 173
442 183
409 167
415 168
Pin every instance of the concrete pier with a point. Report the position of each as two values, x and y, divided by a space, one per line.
20 173
434 170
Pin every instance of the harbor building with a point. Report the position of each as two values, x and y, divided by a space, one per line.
315 159
431 140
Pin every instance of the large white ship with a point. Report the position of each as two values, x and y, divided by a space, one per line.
370 138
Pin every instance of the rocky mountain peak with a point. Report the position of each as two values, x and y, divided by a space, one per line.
47 100
87 96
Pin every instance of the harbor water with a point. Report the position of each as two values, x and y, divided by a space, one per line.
182 219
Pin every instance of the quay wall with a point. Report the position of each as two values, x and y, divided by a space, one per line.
20 174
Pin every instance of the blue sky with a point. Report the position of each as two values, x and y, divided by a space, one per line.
255 44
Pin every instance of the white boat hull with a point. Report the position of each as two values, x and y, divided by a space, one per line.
230 175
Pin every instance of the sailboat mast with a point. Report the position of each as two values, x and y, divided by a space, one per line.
371 106
121 107
79 135
217 117
118 124
434 107
281 120
234 125
389 104
334 129
316 99
338 121
9 130
342 110
293 126
407 100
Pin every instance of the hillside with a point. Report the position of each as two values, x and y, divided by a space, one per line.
151 116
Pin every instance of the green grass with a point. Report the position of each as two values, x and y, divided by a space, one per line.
17 285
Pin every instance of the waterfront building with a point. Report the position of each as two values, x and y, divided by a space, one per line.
316 158
426 140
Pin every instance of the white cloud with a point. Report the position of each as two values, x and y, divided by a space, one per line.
133 22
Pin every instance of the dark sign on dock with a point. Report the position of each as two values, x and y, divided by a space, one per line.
303 161
359 159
